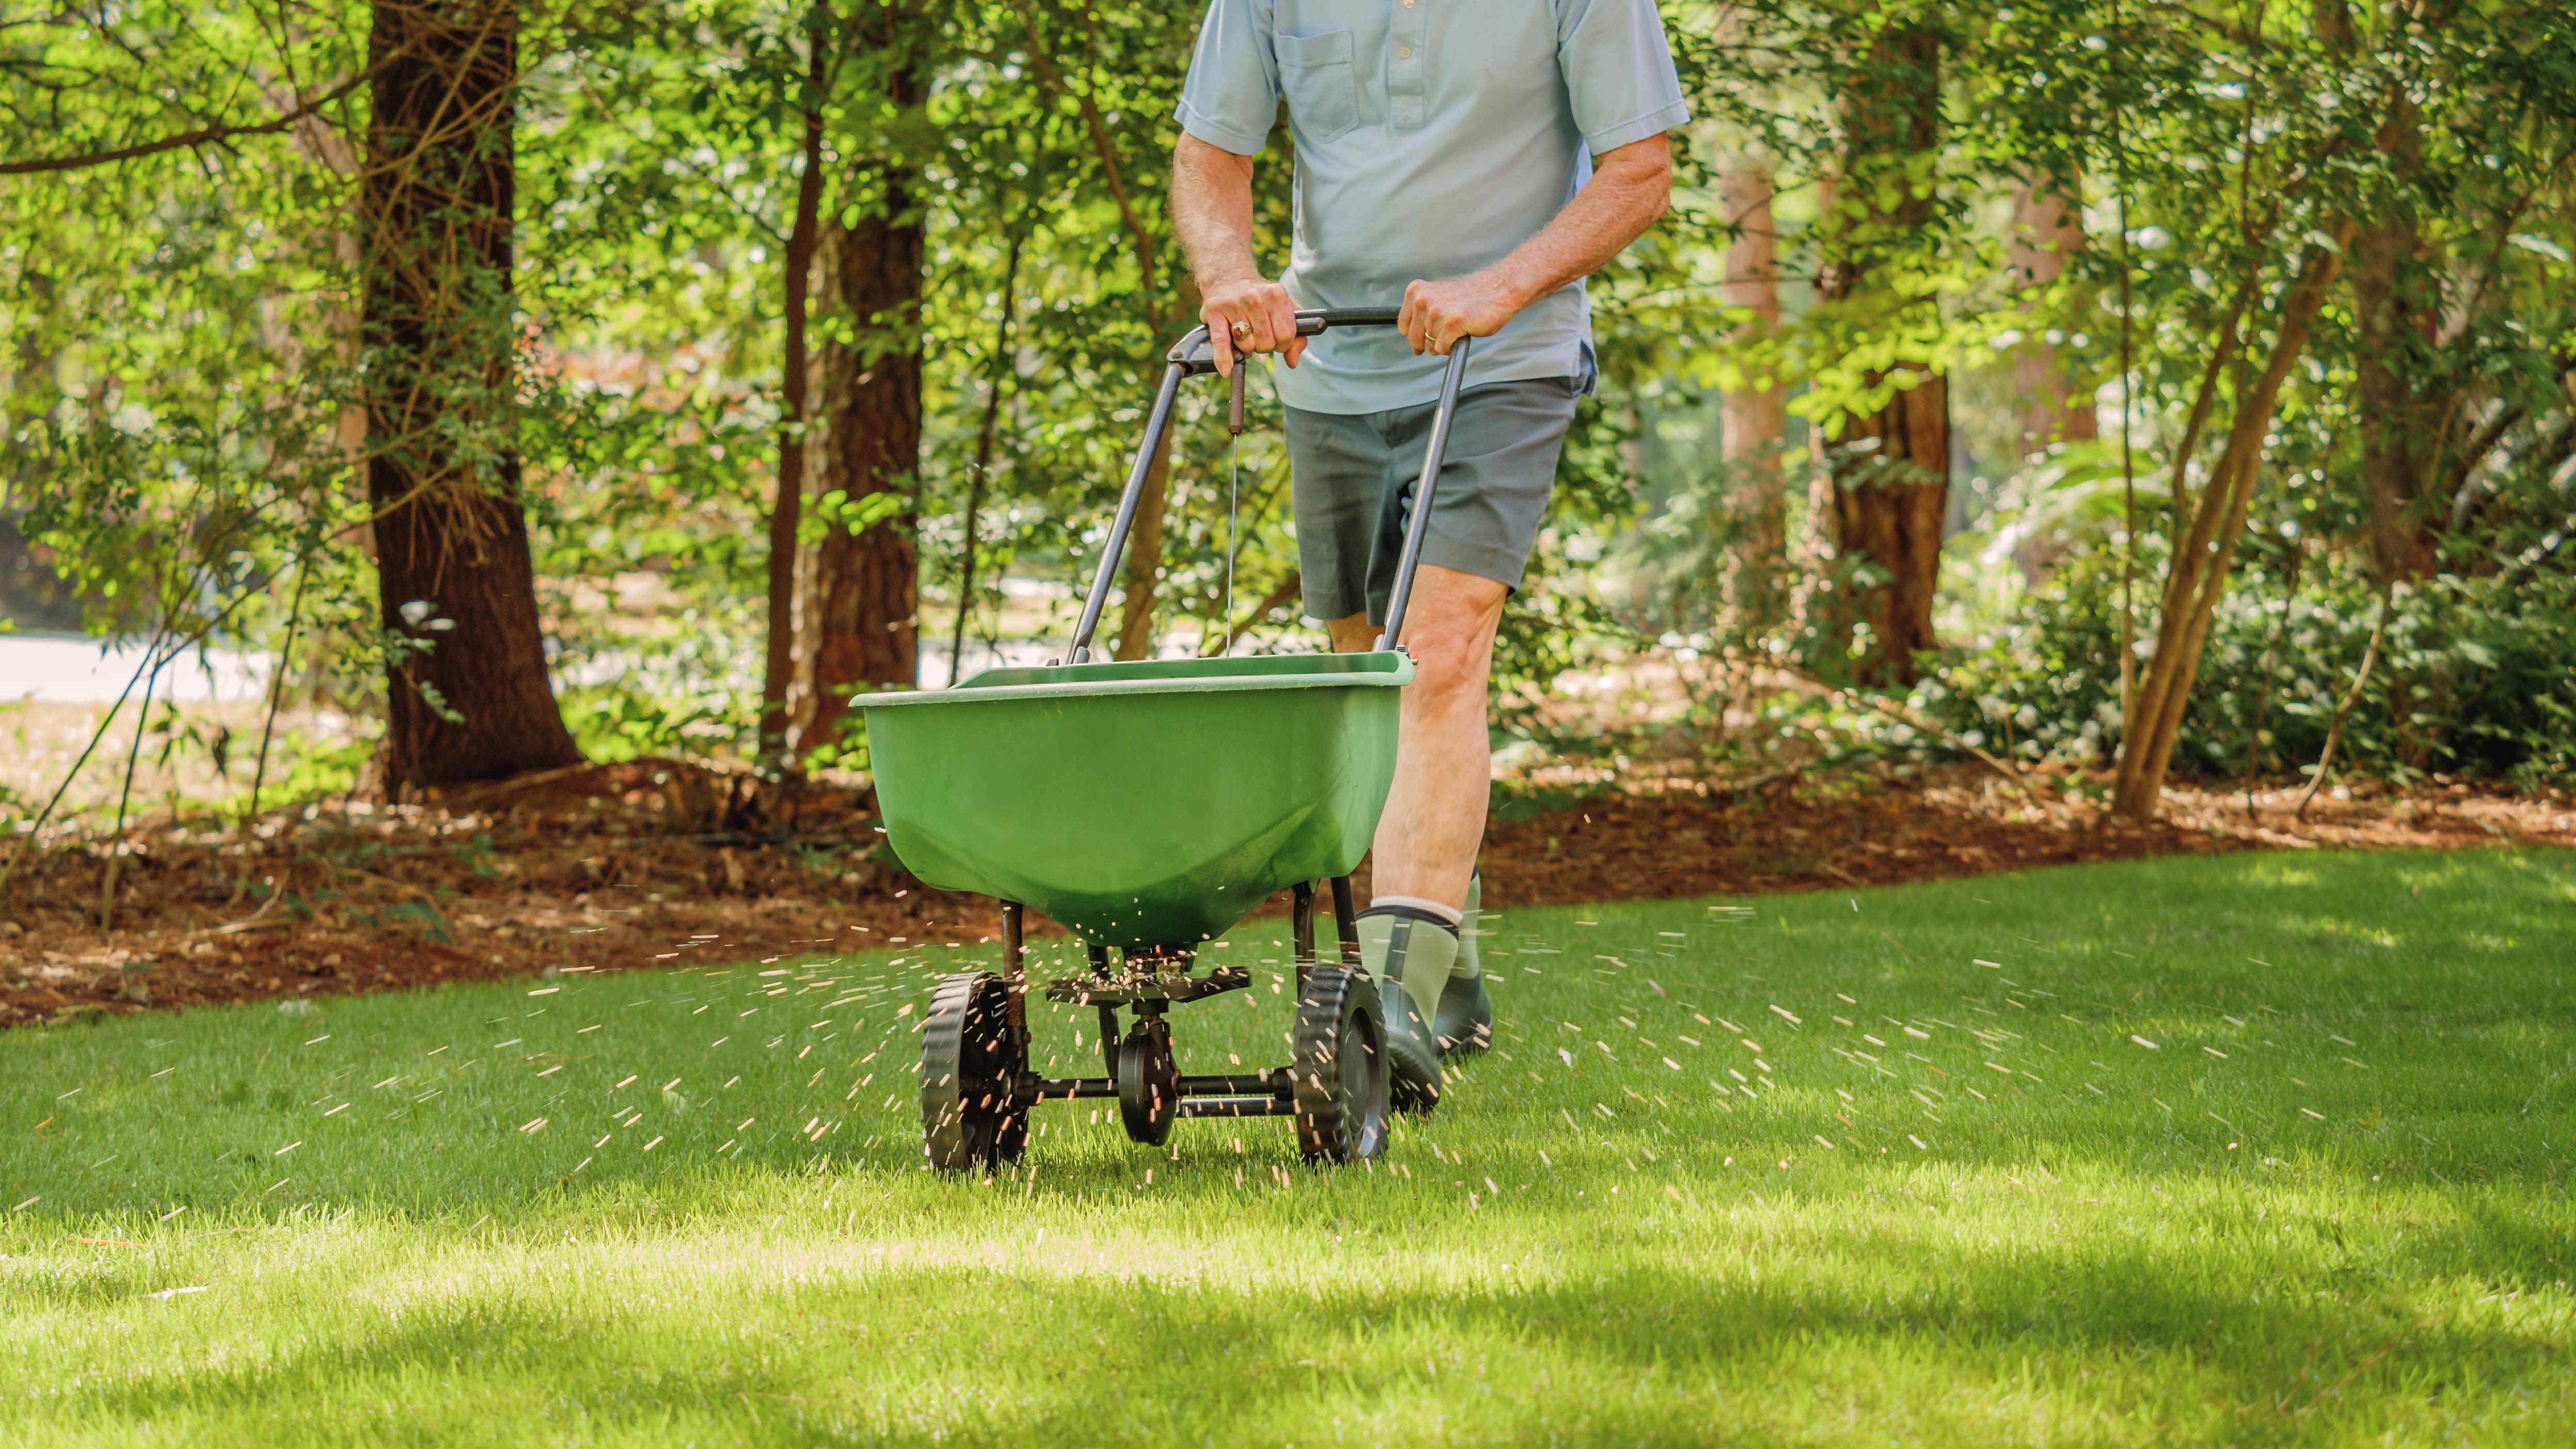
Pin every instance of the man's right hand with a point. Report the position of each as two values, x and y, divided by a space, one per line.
1251 316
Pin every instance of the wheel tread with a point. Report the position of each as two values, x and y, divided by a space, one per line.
967 1031
1330 1127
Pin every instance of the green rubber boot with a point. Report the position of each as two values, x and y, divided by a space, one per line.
1410 953
1465 1019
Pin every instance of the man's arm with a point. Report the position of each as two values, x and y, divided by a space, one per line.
1630 187
1212 211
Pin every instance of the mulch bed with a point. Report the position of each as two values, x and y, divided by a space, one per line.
660 862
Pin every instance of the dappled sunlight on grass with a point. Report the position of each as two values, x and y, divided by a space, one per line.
2131 1154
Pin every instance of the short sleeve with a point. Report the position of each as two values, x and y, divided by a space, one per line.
1232 94
1618 71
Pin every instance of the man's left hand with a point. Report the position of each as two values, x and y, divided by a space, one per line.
1437 314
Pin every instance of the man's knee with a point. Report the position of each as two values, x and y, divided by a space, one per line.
1450 662
1449 631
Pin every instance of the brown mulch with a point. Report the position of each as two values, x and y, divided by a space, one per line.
656 862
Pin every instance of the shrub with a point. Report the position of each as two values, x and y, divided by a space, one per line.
2474 676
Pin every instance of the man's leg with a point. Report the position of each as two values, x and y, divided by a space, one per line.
1491 498
1425 852
1435 814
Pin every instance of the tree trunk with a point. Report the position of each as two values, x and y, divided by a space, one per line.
2400 427
1890 499
1000 368
1144 577
2046 233
1757 417
2396 426
1888 508
867 571
467 694
2196 574
787 506
1810 602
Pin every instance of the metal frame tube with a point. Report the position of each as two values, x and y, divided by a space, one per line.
1061 1089
1346 920
1418 526
1236 1107
1109 1032
1237 1084
1015 976
1270 1084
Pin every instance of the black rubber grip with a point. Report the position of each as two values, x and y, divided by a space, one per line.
1312 320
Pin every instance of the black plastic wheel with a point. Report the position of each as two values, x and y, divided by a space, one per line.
1338 1070
971 1117
1149 1083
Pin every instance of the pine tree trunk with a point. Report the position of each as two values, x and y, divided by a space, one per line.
469 699
2046 234
1890 500
1756 417
2400 426
787 506
867 586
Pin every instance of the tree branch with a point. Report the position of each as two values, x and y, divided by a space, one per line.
1100 142
186 140
2351 697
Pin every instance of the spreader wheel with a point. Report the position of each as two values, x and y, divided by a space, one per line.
971 1063
1149 1082
1339 1070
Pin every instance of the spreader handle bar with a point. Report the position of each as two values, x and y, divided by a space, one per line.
1193 355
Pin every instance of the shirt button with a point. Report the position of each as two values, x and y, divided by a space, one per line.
1405 52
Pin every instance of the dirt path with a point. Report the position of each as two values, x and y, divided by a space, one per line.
656 862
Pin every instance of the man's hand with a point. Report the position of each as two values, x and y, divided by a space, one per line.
1629 188
1251 315
1437 314
1212 211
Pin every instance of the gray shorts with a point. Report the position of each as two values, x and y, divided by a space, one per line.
1352 478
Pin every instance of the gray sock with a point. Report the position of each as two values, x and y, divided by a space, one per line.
1412 949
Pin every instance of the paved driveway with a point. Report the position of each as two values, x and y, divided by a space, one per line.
61 669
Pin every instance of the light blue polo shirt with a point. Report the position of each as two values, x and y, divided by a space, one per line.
1432 137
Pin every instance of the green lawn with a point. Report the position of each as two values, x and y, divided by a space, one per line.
2241 1150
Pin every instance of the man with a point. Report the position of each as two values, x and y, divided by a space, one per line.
1475 158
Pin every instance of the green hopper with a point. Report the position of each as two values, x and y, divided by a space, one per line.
1143 806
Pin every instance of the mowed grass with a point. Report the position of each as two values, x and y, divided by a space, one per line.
2241 1150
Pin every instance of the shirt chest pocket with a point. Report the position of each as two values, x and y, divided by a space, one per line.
1321 82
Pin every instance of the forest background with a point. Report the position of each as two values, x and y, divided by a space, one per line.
2122 393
